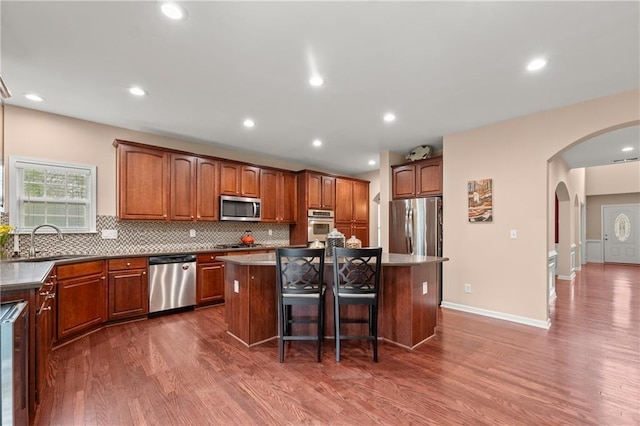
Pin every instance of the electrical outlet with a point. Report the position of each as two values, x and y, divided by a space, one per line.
425 287
236 286
513 234
467 288
270 232
109 234
192 233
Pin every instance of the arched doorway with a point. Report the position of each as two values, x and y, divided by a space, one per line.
563 243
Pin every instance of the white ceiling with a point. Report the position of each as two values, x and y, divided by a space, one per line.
441 67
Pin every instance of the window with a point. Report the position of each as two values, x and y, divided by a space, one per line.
59 194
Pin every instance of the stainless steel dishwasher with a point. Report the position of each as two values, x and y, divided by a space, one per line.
172 282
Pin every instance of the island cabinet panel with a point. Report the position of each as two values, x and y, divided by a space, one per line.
352 209
249 305
45 315
82 301
239 180
183 187
418 179
278 196
128 288
143 183
209 279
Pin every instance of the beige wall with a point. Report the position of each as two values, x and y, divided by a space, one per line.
594 210
614 179
510 276
35 134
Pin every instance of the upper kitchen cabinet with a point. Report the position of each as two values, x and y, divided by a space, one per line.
352 208
143 182
278 196
418 179
193 188
239 180
321 191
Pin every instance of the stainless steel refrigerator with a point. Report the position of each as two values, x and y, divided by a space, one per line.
415 227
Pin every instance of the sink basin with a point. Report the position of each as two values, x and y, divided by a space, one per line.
52 258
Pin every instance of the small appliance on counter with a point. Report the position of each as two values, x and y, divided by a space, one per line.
247 239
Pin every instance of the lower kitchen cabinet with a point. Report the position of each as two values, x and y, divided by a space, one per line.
128 288
209 279
45 332
82 301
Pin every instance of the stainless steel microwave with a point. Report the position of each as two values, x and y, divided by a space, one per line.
240 208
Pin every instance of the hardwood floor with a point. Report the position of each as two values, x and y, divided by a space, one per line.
184 369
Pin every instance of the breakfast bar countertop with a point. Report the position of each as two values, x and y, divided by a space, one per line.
388 259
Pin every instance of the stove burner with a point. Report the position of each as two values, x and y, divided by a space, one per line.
238 245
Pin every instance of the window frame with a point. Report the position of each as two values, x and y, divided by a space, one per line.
15 207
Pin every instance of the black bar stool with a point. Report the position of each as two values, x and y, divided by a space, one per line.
300 282
356 281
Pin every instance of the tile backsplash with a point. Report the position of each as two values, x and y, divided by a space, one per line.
144 237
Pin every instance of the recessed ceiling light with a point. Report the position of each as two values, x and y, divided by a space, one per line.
174 11
372 162
138 91
249 123
316 81
33 97
627 149
389 117
317 143
536 64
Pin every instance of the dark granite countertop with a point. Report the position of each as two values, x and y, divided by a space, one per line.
27 273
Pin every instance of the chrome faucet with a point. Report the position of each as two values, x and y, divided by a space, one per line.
32 249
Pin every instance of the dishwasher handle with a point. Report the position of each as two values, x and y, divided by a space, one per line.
181 258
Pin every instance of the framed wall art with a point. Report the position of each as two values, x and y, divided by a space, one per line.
480 193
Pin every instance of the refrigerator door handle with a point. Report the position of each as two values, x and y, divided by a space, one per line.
410 231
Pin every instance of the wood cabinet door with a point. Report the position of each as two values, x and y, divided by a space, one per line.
269 197
404 182
362 233
344 201
128 293
429 177
314 191
183 187
328 192
81 304
250 182
229 179
206 190
210 283
143 183
360 202
288 197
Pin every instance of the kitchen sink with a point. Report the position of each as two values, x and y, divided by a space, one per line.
52 258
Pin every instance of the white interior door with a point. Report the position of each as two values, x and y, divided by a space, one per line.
620 233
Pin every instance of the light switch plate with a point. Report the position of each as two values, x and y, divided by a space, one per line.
236 286
513 234
109 234
192 233
425 287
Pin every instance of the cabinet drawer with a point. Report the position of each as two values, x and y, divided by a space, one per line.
80 269
209 257
127 263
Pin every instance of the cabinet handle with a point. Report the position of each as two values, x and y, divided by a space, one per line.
191 216
199 217
144 273
213 257
50 296
128 263
103 278
164 215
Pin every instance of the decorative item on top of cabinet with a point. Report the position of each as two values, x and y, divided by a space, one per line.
278 196
352 208
239 179
82 302
128 287
417 179
209 279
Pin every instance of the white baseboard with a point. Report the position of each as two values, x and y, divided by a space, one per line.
567 277
499 315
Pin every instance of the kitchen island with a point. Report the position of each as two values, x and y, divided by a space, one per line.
408 298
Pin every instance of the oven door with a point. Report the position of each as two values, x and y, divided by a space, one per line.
318 228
